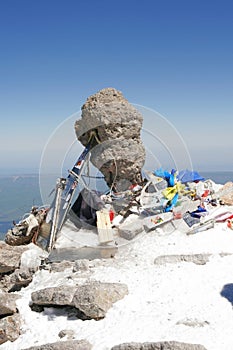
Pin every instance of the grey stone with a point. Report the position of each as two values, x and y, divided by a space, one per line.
198 259
10 257
9 328
131 229
92 299
81 265
166 345
192 323
69 333
20 278
120 161
74 254
7 304
61 266
64 345
149 223
120 154
62 295
19 239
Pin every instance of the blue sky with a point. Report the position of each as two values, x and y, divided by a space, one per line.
174 57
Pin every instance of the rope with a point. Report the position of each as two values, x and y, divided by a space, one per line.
94 177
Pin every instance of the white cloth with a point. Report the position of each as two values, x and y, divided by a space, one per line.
32 222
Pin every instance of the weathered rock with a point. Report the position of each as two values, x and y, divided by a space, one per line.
61 266
130 230
9 328
27 230
20 278
69 333
120 161
119 153
92 299
61 296
81 265
86 252
198 259
192 323
7 304
10 257
226 193
64 345
166 345
17 240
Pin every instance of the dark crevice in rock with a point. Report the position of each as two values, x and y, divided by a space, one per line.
6 315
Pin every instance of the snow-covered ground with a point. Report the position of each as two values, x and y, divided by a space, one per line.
174 301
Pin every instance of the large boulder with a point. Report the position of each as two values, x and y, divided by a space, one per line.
95 299
55 296
118 153
91 299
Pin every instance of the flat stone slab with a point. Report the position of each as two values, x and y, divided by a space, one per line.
198 259
90 253
152 222
130 230
62 345
164 345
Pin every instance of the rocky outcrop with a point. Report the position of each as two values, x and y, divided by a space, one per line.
118 153
92 299
10 257
67 345
166 345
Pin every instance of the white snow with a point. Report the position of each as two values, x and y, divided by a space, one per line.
175 301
